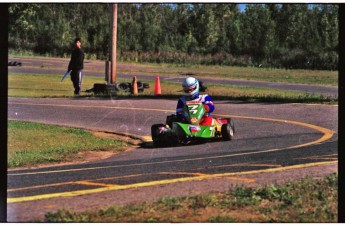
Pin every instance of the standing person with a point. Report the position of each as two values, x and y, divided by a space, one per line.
76 65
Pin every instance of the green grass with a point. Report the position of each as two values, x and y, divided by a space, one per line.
31 144
45 86
49 86
305 201
319 77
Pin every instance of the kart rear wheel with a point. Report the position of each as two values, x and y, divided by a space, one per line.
181 136
157 136
228 130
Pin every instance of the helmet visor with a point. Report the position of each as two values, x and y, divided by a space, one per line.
189 89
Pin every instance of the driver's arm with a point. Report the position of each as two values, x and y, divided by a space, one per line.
179 109
208 104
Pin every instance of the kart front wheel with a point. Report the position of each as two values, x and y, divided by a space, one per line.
228 130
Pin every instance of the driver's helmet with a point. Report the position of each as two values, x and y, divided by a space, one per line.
191 87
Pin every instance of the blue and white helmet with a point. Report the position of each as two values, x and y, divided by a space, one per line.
191 87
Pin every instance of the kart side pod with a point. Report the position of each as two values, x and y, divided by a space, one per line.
197 131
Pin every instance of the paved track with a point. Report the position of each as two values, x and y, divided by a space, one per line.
270 137
277 140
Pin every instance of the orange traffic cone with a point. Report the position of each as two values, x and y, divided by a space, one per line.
157 86
135 86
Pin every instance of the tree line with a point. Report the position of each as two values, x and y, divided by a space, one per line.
266 35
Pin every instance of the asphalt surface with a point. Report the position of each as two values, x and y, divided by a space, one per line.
269 137
97 68
273 142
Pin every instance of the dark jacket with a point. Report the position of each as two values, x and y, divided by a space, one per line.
77 60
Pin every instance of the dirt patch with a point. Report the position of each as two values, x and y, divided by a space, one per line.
89 156
79 158
123 137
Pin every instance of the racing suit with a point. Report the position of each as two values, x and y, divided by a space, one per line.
205 100
76 65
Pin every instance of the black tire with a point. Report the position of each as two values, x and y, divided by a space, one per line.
104 88
123 86
140 85
156 135
99 88
146 85
228 130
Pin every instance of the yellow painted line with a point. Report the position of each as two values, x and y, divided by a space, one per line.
327 134
90 106
326 131
40 186
159 182
299 166
323 138
58 184
70 183
324 157
147 138
246 164
89 183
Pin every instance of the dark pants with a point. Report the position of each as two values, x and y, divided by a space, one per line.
77 78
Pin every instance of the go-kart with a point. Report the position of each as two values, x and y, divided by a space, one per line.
188 129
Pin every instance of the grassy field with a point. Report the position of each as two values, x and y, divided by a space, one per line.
31 144
317 202
319 77
49 86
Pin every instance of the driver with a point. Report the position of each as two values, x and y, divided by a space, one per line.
191 89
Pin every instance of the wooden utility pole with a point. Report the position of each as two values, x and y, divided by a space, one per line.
113 45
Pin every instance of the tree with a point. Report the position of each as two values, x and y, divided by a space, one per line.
21 28
280 35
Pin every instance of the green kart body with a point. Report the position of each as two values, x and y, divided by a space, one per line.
193 113
193 131
187 130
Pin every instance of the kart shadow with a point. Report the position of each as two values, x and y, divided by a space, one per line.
149 144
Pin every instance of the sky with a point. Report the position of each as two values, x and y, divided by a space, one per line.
241 7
